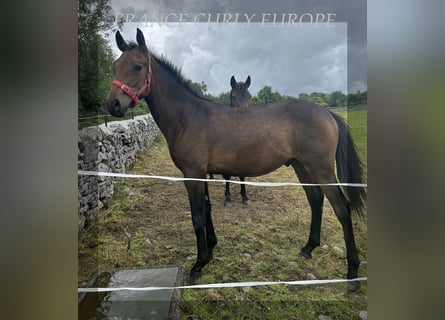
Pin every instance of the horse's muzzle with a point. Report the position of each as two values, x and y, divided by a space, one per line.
115 108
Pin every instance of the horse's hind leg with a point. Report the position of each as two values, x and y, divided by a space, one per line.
343 213
243 192
315 197
325 175
210 231
227 199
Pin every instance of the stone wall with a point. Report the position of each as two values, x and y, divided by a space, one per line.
108 148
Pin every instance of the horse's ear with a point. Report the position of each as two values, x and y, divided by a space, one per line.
121 44
141 40
232 82
247 83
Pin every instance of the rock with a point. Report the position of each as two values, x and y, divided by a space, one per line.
246 255
102 156
337 250
363 315
227 279
323 317
129 191
120 128
311 276
108 149
102 167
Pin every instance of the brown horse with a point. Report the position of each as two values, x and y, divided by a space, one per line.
207 137
239 98
239 94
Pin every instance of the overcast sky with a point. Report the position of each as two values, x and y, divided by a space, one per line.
292 60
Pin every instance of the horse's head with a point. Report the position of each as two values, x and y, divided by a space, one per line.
132 75
239 95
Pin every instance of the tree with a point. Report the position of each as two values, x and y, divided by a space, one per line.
304 96
224 98
334 99
95 57
95 74
337 99
265 95
319 98
199 88
255 101
93 17
358 98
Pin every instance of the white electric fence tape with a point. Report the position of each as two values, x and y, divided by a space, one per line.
219 285
225 285
261 184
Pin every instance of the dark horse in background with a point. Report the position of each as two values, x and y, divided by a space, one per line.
239 98
207 137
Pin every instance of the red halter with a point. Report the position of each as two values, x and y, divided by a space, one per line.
136 94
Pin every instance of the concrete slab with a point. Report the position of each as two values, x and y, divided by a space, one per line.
134 305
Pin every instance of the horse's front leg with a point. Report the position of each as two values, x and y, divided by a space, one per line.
200 208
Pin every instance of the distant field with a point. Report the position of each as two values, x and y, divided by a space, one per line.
358 122
259 242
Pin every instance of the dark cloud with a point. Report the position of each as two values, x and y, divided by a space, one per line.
291 60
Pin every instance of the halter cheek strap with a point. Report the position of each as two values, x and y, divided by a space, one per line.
134 95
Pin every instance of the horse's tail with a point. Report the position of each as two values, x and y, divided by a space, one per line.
349 166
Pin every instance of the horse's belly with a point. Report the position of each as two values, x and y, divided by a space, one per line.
250 155
247 165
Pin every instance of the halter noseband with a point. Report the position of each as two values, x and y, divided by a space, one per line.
134 95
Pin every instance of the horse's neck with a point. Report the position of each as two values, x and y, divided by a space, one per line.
169 102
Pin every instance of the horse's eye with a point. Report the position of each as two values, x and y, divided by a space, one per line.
138 67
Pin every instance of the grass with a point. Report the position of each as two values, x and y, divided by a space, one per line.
358 123
149 224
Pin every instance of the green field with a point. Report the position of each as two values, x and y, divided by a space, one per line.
358 123
149 224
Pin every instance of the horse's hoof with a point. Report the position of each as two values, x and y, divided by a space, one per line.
246 202
305 255
353 286
194 275
227 204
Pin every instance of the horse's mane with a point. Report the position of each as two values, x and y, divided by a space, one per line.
177 74
172 70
